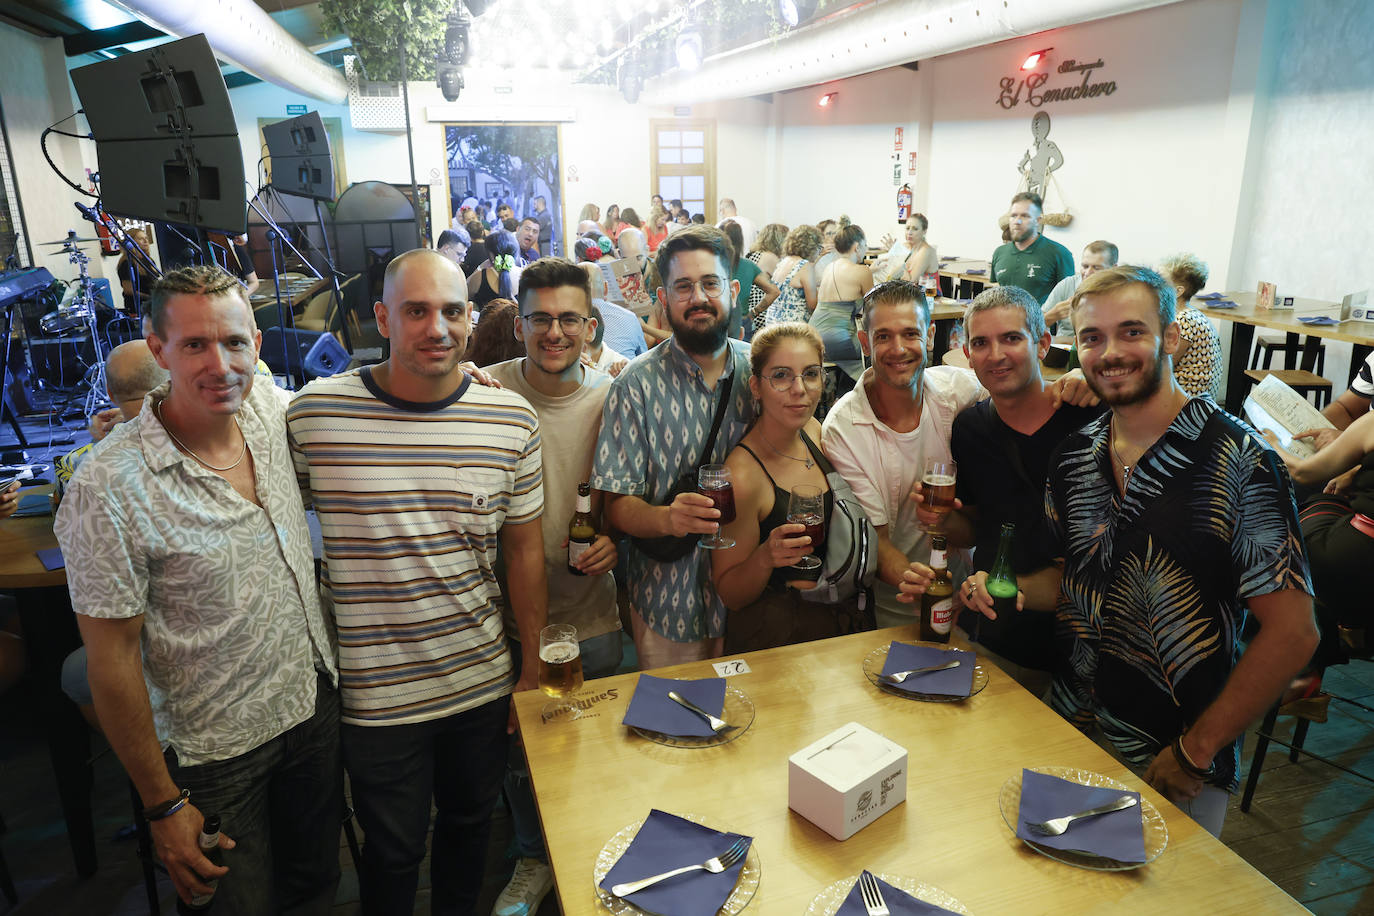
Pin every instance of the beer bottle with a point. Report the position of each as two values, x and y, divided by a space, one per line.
937 604
209 845
1001 584
581 531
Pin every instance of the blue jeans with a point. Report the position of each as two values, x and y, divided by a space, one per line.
600 658
395 771
282 803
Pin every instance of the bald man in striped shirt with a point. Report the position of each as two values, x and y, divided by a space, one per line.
417 475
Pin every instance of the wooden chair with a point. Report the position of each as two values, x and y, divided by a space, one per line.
1307 711
1303 382
1287 345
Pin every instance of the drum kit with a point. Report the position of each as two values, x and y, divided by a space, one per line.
78 314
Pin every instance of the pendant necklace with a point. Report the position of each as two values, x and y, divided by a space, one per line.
1126 469
807 461
158 410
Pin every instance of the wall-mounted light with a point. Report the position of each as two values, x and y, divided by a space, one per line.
828 99
1035 58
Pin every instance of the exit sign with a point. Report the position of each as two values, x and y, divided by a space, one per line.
294 110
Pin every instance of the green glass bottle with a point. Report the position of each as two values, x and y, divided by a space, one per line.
1001 584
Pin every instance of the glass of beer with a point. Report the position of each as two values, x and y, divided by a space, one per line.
560 670
806 506
713 480
937 486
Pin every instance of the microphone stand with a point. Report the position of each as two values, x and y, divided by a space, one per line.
278 238
327 256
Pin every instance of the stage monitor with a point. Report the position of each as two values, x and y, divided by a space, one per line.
302 163
165 136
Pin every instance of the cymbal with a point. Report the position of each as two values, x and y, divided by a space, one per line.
69 239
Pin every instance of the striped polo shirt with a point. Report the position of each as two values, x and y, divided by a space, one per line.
411 498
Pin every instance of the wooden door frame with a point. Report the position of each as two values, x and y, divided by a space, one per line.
708 127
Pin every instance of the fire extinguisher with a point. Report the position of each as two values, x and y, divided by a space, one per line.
904 203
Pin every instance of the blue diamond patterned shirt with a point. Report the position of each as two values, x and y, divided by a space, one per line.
656 421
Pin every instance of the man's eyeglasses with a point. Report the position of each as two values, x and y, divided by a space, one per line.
711 287
781 379
570 324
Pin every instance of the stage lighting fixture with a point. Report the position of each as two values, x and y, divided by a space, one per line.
794 12
450 79
689 46
1034 58
456 35
827 100
631 78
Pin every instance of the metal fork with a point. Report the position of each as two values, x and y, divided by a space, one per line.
872 895
1056 826
898 676
719 726
715 865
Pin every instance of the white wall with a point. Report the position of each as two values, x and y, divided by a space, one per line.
35 93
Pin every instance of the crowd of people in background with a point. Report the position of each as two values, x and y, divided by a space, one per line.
789 358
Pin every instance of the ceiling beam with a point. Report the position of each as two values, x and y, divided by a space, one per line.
113 37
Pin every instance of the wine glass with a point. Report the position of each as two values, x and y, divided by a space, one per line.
713 480
806 506
560 670
937 486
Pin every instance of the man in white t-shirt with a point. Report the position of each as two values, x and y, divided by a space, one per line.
880 435
555 324
727 212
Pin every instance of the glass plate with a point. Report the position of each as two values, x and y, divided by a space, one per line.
1156 834
828 901
873 667
739 710
615 847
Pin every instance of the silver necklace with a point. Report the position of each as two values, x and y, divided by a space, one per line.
807 461
1126 469
243 451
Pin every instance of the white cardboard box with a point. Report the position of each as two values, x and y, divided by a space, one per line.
846 780
1356 307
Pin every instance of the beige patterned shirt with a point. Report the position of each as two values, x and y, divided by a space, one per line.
233 633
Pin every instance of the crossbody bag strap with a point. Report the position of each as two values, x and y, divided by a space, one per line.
726 392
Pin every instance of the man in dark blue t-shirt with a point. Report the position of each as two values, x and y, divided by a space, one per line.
1002 445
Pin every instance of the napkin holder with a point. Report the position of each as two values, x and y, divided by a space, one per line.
1356 307
846 780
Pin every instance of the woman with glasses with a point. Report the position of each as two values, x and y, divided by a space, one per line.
778 454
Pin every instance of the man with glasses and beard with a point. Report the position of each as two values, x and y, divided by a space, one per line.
657 420
1172 517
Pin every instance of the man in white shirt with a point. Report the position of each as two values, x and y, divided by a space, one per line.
1098 255
190 570
727 212
555 324
880 435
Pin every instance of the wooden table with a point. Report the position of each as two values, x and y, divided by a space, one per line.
594 776
50 634
1245 318
956 272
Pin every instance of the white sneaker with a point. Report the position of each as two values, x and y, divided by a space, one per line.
528 886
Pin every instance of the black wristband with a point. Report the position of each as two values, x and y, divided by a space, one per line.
165 809
1188 766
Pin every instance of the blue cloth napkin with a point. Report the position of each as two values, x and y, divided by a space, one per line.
899 902
31 504
976 271
1319 320
651 709
51 558
1119 835
1212 296
1219 303
664 843
956 682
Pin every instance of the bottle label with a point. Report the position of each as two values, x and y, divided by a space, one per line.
937 559
575 551
942 615
584 503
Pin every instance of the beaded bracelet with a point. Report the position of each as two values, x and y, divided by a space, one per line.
168 808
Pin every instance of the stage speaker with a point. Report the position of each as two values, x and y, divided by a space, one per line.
165 136
288 352
302 163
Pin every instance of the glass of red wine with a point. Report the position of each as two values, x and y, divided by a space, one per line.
806 506
713 480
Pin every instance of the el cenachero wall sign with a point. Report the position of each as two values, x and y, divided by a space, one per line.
1028 89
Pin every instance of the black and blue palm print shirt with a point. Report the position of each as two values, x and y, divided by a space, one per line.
1155 580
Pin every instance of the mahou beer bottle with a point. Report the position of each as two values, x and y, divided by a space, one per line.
1001 584
581 531
209 845
937 604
